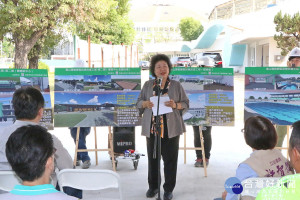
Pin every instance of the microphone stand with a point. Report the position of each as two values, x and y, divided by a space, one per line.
157 140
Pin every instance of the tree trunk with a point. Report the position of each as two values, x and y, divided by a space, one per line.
34 62
23 47
20 55
34 56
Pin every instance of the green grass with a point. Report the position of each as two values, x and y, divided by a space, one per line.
68 120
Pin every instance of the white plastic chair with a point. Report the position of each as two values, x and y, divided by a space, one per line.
8 180
252 186
90 179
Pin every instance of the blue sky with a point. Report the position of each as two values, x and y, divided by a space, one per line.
92 98
97 78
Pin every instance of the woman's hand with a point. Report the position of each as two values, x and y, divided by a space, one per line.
170 103
224 194
147 104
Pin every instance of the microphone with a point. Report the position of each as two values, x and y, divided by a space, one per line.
159 81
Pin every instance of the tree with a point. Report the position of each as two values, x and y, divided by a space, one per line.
115 27
42 48
251 97
7 48
28 21
190 29
288 28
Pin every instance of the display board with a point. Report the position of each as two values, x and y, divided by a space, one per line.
13 79
87 97
273 92
210 91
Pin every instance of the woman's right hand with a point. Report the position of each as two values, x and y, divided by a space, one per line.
147 104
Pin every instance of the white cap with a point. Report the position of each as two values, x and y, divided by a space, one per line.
294 53
80 63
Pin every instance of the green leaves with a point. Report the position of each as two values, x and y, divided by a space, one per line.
113 26
190 29
288 28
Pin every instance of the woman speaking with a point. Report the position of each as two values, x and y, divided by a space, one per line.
171 124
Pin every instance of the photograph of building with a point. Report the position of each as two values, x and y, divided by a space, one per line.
87 83
287 82
260 82
218 82
94 108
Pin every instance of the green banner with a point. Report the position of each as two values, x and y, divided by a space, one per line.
271 70
23 73
201 71
97 71
1 108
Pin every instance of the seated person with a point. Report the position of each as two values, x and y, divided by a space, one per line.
30 152
264 161
289 185
28 104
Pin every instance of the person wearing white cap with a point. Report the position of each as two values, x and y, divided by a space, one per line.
293 61
294 58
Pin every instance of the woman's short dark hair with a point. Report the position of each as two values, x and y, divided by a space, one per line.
259 133
156 58
295 136
27 102
27 150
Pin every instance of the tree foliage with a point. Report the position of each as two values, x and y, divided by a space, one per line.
7 48
190 28
30 20
288 28
115 27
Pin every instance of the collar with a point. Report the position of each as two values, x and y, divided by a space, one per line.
33 190
22 123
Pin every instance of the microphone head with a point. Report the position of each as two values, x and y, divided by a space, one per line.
159 80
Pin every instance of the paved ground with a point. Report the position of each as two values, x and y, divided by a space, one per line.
228 150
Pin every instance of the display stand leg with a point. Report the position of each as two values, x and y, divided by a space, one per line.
111 149
184 147
96 152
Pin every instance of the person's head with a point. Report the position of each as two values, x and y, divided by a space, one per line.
160 65
294 147
260 133
294 57
29 151
28 103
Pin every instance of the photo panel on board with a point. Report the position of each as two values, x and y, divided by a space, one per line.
13 79
87 97
273 92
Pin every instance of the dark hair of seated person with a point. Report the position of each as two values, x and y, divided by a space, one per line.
27 102
27 150
259 133
159 57
295 136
